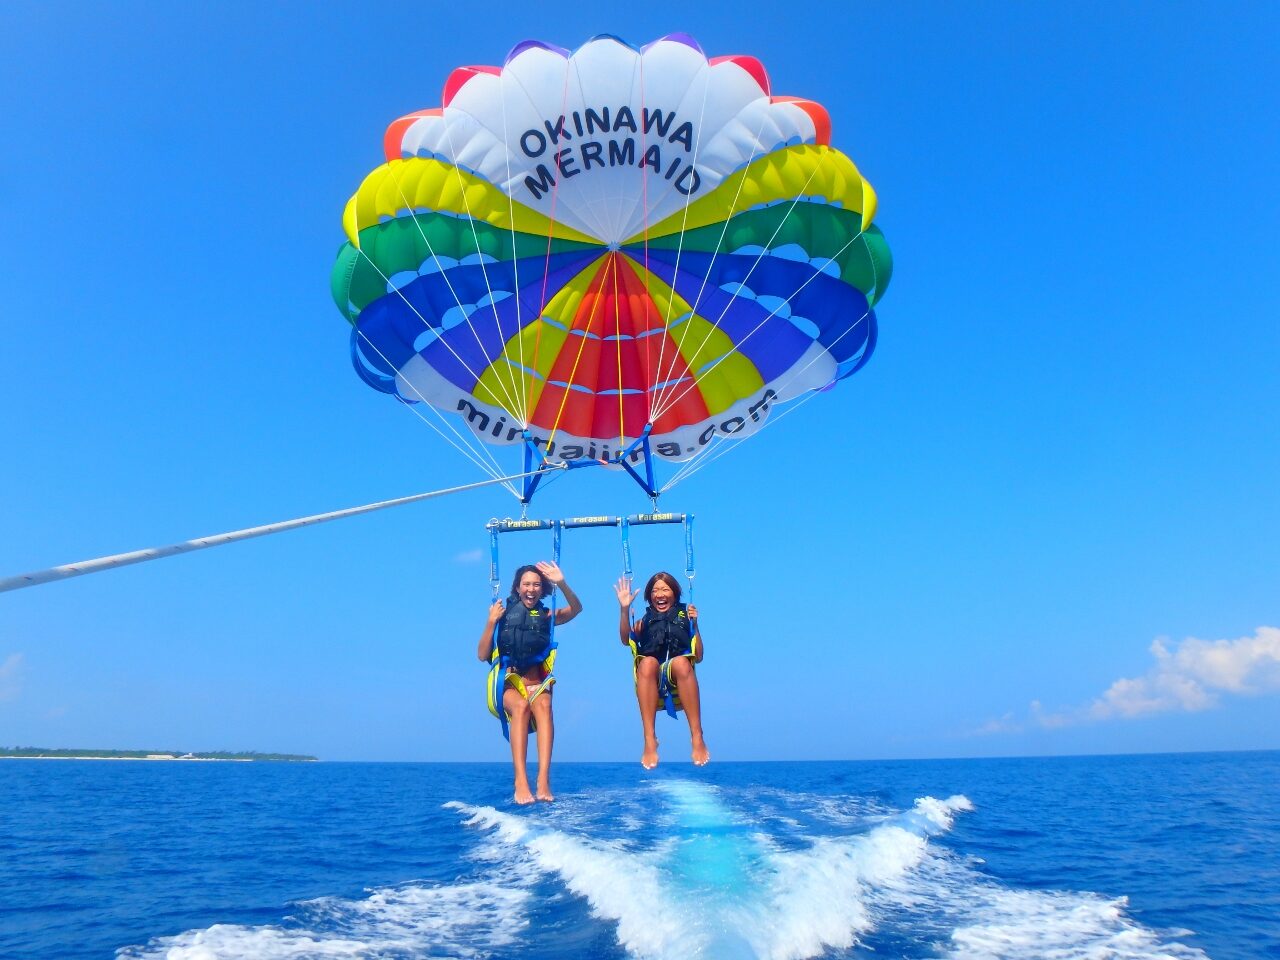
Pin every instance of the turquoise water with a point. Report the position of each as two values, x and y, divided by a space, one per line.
1103 857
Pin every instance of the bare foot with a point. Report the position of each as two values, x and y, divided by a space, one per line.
700 753
523 794
649 759
544 793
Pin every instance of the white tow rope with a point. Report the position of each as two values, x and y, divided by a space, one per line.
217 540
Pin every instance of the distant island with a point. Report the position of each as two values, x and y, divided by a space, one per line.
40 753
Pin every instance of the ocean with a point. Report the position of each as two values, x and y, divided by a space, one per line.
1105 858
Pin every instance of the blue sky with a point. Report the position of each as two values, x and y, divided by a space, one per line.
1064 449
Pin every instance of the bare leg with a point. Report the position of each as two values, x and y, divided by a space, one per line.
686 678
541 708
518 709
647 696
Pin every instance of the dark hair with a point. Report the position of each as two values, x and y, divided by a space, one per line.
666 578
529 568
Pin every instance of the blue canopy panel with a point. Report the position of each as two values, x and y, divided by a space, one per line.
460 320
772 308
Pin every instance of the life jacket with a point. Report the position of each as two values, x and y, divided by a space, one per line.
522 638
524 634
665 635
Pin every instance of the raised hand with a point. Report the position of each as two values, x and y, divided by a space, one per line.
626 596
550 571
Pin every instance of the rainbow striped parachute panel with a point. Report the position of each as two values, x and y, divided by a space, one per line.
580 247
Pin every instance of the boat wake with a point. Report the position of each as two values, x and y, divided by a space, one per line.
679 869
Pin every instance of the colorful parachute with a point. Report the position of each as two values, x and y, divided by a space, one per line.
589 252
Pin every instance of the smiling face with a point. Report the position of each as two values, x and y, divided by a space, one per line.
662 592
529 589
661 596
529 586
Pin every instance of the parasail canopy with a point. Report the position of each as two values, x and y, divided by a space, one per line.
612 254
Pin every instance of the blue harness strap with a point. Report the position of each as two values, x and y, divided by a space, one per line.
667 689
500 662
500 676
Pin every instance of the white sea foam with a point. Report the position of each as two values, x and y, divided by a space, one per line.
621 886
717 885
820 897
222 941
718 889
406 919
969 916
940 814
1017 924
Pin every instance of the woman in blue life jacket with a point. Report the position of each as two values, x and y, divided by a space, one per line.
524 639
666 644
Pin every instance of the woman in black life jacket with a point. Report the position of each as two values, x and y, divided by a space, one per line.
524 637
665 638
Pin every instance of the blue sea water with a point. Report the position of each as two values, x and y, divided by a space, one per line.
1107 858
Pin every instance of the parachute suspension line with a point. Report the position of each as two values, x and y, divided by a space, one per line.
511 406
758 260
546 262
597 223
573 373
684 221
472 449
465 451
723 445
532 454
733 298
617 343
642 354
772 313
644 199
515 408
637 199
425 322
69 570
444 275
491 468
472 453
666 375
515 267
644 177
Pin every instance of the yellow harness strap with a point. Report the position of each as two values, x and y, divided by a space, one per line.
494 691
665 668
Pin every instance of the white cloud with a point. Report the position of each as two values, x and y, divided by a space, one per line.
1190 677
1187 677
9 676
469 556
1005 724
